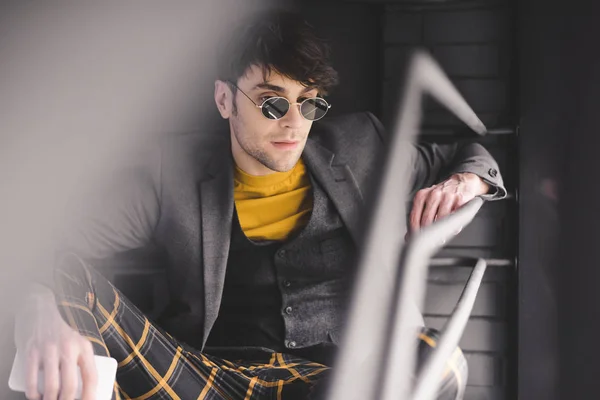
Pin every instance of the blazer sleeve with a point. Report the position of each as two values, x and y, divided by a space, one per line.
432 163
112 214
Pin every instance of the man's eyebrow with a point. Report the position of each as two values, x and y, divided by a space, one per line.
308 89
270 86
275 88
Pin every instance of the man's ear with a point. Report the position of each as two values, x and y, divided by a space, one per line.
223 98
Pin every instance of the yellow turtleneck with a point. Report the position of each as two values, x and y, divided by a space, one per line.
274 206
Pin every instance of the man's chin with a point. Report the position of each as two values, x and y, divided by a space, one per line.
282 166
285 168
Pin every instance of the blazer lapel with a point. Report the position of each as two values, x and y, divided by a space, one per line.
216 197
339 183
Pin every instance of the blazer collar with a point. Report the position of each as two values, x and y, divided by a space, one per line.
339 183
216 203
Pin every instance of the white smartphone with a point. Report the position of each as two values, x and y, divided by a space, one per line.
106 367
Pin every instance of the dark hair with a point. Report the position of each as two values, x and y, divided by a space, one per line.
282 42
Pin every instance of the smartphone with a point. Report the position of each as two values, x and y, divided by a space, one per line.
106 368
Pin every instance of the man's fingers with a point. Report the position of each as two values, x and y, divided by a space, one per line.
435 203
68 371
32 374
89 375
445 207
51 375
431 207
417 209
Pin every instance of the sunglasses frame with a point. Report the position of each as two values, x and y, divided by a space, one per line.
289 102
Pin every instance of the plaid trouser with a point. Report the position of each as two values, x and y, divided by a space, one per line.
154 365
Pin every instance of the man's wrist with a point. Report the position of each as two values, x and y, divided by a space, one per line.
474 181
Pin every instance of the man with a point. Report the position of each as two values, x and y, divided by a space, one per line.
260 227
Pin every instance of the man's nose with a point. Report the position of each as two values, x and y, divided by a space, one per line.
293 118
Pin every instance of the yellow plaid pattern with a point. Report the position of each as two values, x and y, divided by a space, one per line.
153 365
454 378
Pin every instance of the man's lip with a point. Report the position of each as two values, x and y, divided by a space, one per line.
285 144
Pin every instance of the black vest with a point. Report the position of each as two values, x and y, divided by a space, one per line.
288 296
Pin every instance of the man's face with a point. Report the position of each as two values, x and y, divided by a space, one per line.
260 145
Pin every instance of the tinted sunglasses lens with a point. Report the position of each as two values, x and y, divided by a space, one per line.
275 108
314 109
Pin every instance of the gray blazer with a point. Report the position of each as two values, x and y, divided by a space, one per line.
179 196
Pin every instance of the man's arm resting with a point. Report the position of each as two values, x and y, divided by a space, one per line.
434 163
444 177
449 176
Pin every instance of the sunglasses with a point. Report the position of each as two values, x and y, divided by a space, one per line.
312 109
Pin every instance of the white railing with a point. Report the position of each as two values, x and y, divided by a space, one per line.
370 365
429 379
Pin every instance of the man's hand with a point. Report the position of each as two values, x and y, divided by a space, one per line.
439 200
54 349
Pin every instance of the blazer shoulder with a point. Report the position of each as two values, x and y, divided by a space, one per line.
352 123
350 134
192 144
192 152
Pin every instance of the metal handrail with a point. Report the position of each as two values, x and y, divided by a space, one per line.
429 380
358 367
411 287
464 262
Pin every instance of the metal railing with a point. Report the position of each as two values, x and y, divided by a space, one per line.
411 287
429 380
370 365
